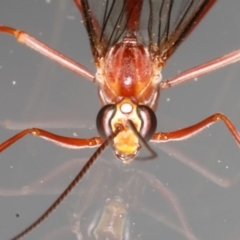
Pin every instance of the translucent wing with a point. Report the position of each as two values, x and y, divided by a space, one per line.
159 24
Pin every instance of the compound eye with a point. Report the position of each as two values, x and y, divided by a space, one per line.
104 118
149 121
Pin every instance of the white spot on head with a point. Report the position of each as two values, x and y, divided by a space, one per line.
126 108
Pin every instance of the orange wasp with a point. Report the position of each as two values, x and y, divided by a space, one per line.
131 41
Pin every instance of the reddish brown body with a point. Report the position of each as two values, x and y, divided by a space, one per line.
129 70
129 81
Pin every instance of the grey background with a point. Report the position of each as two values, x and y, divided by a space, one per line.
46 95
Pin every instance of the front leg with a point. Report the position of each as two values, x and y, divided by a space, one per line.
67 142
190 131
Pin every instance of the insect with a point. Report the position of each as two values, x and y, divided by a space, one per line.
136 104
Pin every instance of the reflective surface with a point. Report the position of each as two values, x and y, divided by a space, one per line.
36 92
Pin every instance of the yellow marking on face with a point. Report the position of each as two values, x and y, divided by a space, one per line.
126 142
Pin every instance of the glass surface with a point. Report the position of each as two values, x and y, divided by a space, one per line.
38 92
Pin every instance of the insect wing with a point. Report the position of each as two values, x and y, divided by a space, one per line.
161 25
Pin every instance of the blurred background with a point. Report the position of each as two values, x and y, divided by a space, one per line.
36 92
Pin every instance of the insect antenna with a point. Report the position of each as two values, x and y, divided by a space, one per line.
143 142
74 182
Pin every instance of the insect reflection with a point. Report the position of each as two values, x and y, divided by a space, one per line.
128 59
116 205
